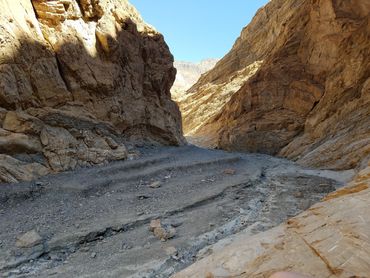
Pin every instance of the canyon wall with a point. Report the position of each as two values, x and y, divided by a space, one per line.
295 84
188 74
79 78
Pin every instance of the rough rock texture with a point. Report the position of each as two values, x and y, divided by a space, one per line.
188 74
77 79
331 239
309 99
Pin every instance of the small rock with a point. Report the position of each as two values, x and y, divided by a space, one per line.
39 183
242 211
176 223
165 233
126 246
209 275
93 255
155 184
143 197
139 213
298 194
211 224
229 172
171 251
85 249
29 239
156 223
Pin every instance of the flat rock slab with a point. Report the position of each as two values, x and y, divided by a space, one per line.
93 224
331 239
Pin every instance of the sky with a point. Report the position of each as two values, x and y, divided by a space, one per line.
198 29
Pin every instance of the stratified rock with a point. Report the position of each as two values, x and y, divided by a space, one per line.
331 239
13 170
307 95
188 74
77 80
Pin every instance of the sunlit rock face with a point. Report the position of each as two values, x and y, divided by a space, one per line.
331 239
188 74
308 95
77 79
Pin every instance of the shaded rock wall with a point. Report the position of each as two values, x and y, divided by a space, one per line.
77 79
309 99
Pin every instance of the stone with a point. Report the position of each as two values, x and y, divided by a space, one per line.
29 239
155 184
164 233
155 223
330 239
171 251
85 249
13 170
93 255
229 171
290 86
79 79
126 246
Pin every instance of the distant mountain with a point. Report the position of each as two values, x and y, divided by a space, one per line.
188 74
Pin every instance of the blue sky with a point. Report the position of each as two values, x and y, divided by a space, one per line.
198 29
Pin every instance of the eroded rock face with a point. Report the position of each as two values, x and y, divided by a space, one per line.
331 239
188 74
78 79
309 98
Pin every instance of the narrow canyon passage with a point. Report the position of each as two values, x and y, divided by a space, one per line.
95 222
97 178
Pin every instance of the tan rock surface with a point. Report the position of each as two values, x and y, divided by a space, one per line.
77 80
331 239
188 74
309 98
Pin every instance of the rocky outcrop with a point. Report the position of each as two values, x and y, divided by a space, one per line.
188 74
77 80
307 97
331 239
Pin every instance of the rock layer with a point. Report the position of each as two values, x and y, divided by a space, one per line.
77 80
188 74
331 239
309 98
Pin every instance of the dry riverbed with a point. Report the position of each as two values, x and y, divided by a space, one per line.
96 222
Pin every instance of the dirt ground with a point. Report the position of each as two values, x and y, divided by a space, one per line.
95 222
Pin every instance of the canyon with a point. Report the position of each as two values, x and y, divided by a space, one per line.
295 84
117 161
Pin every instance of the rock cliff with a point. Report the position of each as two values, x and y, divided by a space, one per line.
296 84
188 74
78 78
